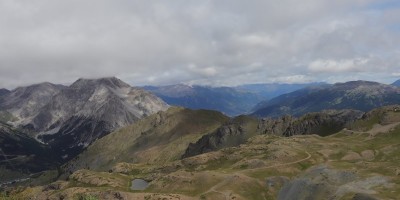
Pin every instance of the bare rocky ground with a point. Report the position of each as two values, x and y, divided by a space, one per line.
351 164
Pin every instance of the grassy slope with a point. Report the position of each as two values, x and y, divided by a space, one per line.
156 139
242 172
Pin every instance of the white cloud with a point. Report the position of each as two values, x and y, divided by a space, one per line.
257 40
396 74
152 42
329 66
204 71
299 78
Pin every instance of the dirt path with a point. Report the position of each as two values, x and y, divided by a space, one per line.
377 128
223 182
242 172
278 165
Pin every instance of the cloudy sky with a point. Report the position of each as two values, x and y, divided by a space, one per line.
219 42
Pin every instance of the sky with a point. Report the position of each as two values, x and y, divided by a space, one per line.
220 42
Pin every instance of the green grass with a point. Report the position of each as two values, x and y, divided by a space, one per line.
328 129
4 196
195 180
262 174
220 164
87 197
6 117
252 191
196 186
160 137
304 165
367 124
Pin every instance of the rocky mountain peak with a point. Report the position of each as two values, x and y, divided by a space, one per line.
99 98
178 90
4 91
90 109
111 82
69 118
25 102
396 83
34 89
365 88
356 84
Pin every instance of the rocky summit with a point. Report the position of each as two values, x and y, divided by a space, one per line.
70 118
4 91
396 83
24 103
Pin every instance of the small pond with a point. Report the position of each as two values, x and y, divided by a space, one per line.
139 184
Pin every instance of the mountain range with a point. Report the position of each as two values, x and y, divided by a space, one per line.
69 118
231 101
271 90
97 138
359 95
396 83
321 156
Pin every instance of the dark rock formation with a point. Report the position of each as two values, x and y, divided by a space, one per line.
241 128
236 132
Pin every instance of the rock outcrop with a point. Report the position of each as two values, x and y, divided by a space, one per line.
234 133
239 129
322 182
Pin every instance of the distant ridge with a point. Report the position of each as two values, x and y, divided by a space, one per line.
396 83
231 101
4 91
358 95
271 90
